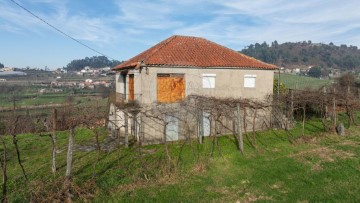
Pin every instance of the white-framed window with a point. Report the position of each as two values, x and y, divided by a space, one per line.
208 80
249 81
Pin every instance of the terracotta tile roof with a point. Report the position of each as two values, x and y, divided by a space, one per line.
192 52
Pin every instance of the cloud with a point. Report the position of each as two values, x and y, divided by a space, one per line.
81 27
95 30
238 23
13 18
9 28
151 15
232 23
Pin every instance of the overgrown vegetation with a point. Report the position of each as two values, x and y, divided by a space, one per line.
70 157
310 169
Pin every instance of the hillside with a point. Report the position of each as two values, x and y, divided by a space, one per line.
292 54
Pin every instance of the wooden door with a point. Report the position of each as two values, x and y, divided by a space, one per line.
170 88
131 87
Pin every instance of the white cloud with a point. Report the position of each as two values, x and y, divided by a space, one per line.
81 27
147 14
14 17
233 23
238 23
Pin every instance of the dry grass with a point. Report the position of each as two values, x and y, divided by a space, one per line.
54 191
140 184
199 167
316 157
349 143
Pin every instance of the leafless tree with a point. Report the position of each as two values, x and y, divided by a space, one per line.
13 130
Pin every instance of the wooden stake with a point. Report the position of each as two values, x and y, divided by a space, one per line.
239 129
334 110
53 139
126 130
70 154
201 126
326 107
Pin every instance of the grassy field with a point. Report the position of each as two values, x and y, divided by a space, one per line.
316 168
44 99
41 100
302 82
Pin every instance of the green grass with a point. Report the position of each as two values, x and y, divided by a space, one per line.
302 82
44 99
317 168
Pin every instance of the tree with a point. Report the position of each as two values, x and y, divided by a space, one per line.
321 55
282 87
1 65
93 62
346 80
275 44
315 72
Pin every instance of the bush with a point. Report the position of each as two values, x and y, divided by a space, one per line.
282 87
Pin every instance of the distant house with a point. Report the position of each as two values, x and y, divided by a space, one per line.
334 73
6 69
296 70
53 90
88 81
87 69
181 66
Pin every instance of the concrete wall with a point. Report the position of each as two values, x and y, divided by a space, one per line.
229 83
116 117
188 123
120 83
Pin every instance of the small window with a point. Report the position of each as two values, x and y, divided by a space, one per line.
249 81
208 80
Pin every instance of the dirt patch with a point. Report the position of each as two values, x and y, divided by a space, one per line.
315 157
307 140
54 190
219 190
249 197
167 180
233 193
279 186
199 167
349 143
276 185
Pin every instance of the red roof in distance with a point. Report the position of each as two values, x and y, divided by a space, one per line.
193 52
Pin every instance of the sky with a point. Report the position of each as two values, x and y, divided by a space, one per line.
121 29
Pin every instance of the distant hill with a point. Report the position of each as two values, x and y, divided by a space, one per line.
292 54
93 62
